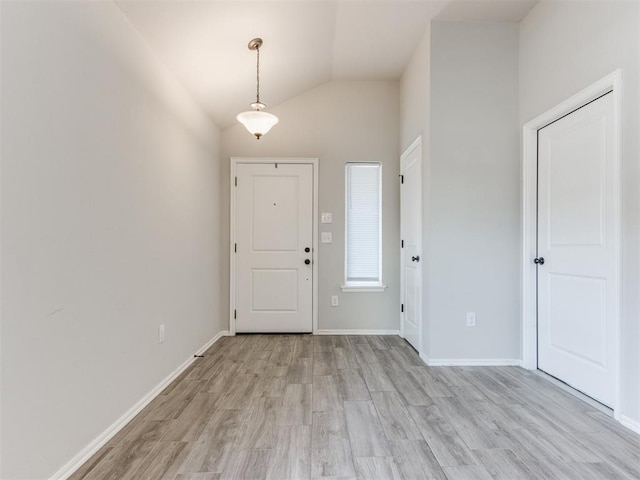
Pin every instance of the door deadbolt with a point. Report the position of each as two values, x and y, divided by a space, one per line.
307 261
307 249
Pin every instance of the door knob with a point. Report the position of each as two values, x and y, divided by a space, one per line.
539 261
416 258
307 249
307 261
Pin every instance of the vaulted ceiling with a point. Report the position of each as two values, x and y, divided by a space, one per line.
306 42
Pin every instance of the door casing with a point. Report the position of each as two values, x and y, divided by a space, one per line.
611 83
232 229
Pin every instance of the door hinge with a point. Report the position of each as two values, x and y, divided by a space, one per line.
402 307
401 243
236 181
235 247
401 178
235 314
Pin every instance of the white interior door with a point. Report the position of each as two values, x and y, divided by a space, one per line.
274 257
577 284
411 234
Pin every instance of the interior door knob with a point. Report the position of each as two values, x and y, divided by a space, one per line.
539 261
307 249
416 258
307 261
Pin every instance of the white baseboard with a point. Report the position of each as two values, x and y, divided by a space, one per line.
357 332
630 423
472 362
87 452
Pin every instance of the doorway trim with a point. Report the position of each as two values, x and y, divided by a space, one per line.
235 161
416 145
611 83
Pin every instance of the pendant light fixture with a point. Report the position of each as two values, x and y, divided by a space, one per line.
256 121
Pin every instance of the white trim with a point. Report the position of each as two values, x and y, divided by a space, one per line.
612 82
234 161
472 362
363 288
87 452
417 143
630 423
357 332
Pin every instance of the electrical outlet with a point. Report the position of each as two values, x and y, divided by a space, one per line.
471 319
334 300
326 237
161 333
325 217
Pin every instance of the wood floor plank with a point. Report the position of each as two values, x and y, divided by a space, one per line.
377 468
433 386
351 385
416 460
326 397
444 441
411 391
364 353
162 462
365 431
395 419
346 358
258 429
198 476
189 426
296 405
376 378
330 448
291 458
300 371
247 465
467 472
503 464
324 363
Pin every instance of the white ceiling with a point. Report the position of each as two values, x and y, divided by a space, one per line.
306 42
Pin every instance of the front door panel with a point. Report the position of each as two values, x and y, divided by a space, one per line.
274 226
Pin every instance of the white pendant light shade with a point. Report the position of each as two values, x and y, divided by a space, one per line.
258 123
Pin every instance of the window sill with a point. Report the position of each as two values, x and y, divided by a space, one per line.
363 288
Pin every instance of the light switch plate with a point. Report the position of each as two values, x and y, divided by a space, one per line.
325 217
326 237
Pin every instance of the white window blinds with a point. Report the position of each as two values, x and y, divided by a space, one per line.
363 218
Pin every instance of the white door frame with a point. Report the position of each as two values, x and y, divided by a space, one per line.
610 83
232 230
417 144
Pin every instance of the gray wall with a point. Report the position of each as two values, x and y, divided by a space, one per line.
565 47
460 92
110 217
415 105
338 122
475 196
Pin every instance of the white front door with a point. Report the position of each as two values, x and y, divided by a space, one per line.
576 238
411 238
274 258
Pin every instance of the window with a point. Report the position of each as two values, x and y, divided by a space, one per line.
363 216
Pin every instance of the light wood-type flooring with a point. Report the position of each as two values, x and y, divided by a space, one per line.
365 407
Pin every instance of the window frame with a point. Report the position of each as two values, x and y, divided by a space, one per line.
362 286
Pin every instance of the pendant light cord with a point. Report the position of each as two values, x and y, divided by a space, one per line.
258 74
